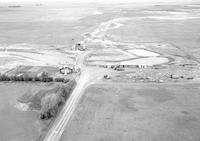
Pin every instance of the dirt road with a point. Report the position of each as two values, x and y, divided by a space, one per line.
88 77
58 127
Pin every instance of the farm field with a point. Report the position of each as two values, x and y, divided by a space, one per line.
121 112
17 121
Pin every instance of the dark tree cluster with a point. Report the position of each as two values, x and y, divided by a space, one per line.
49 105
25 77
51 102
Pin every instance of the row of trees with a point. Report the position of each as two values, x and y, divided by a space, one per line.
43 77
51 102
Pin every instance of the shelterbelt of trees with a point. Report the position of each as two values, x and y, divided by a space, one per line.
51 102
48 101
44 77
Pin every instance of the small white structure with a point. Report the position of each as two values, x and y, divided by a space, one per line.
143 66
66 69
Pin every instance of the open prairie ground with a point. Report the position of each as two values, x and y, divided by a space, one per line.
136 112
18 122
138 77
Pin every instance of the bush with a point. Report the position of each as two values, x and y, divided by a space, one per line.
4 77
36 79
43 76
65 90
49 79
66 80
59 79
49 105
13 78
16 78
26 77
20 78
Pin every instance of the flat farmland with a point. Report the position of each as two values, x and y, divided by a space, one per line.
17 122
121 112
178 25
46 25
137 72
